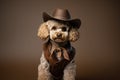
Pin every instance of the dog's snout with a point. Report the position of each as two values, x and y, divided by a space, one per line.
59 35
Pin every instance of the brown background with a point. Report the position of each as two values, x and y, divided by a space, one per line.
98 49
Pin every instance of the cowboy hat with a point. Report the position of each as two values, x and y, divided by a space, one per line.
62 15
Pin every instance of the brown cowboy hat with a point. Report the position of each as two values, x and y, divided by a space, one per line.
62 15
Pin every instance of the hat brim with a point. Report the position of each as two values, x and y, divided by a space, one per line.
73 22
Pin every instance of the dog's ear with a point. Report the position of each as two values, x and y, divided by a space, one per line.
43 31
73 34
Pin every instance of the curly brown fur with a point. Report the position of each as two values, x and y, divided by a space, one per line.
73 35
43 32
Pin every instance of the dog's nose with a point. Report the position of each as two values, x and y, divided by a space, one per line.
59 35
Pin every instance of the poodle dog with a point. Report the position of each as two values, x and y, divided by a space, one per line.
57 60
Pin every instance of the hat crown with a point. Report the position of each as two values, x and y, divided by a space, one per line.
62 14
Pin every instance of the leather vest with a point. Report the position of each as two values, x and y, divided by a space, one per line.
57 66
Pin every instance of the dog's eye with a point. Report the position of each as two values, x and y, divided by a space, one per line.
53 28
64 29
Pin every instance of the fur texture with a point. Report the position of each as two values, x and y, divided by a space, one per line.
60 33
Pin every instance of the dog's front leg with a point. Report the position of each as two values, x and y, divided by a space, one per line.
43 69
70 71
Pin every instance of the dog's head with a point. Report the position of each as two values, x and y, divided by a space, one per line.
58 31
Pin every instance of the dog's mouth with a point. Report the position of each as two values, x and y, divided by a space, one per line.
58 39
